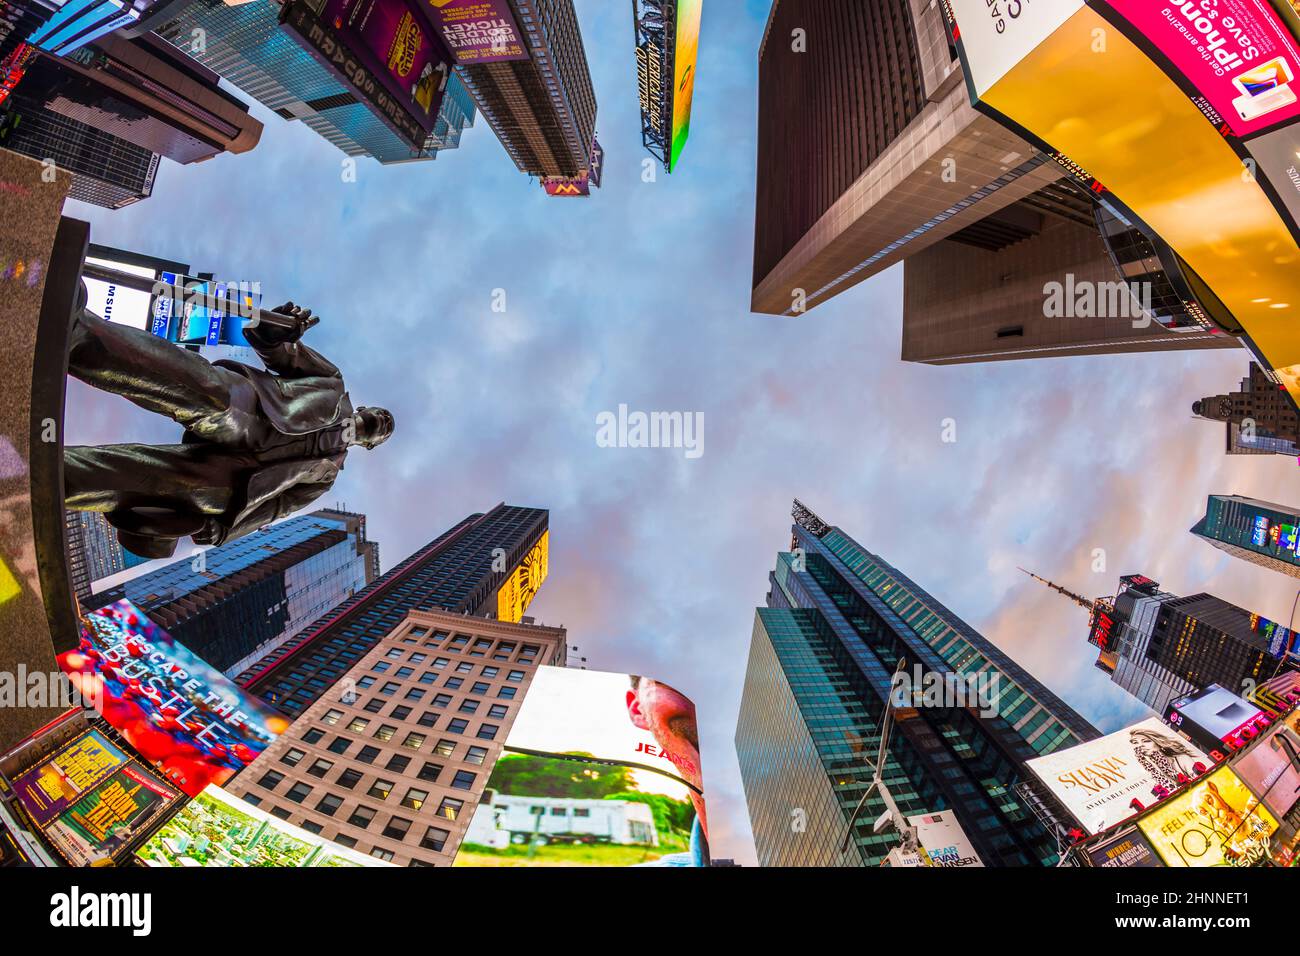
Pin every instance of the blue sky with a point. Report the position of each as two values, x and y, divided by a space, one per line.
640 296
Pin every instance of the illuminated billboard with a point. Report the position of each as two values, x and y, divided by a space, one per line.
1216 717
667 55
396 88
685 56
90 801
1259 535
56 783
1126 848
176 710
598 769
217 829
115 303
1099 780
1091 85
479 31
393 39
1271 767
1217 822
943 841
519 589
1236 53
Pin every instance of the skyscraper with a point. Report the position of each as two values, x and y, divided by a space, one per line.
543 109
1260 415
820 676
1159 646
246 45
148 93
1256 531
234 604
94 552
393 762
869 154
106 170
488 565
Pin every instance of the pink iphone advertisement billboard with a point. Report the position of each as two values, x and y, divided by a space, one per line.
1237 53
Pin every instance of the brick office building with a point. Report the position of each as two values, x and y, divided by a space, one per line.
393 759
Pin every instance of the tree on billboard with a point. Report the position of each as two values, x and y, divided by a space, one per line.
520 775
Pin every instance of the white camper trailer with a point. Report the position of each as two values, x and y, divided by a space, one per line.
506 819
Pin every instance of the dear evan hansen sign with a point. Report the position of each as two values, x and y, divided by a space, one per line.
479 31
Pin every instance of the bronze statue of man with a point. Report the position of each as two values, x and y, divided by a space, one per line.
259 444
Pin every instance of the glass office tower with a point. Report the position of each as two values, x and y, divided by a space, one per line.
234 604
246 45
488 565
822 657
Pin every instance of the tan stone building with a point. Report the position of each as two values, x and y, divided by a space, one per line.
392 760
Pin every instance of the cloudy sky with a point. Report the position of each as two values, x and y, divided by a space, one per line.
639 296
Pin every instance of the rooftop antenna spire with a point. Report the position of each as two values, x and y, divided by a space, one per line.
1078 599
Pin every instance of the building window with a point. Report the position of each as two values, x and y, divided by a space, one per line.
349 778
298 792
380 789
368 754
450 808
385 732
435 839
332 717
397 764
292 756
329 804
430 772
414 799
358 725
379 853
464 780
313 735
361 817
414 741
507 693
476 755
445 748
374 705
397 828
487 731
428 719
320 768
270 780
339 745
400 713
497 711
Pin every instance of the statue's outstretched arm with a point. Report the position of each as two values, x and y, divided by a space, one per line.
283 353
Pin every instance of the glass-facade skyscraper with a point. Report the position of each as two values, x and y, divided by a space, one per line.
488 565
233 604
1257 531
822 659
246 45
94 553
1159 646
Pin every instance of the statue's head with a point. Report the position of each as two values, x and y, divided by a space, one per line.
374 426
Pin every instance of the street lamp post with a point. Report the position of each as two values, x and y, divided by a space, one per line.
893 815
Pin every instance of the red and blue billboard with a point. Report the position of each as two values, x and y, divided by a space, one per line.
175 709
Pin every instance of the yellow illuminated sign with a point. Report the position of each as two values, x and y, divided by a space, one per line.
518 590
1217 822
1090 92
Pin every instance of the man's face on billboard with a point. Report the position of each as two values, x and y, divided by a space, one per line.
670 717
